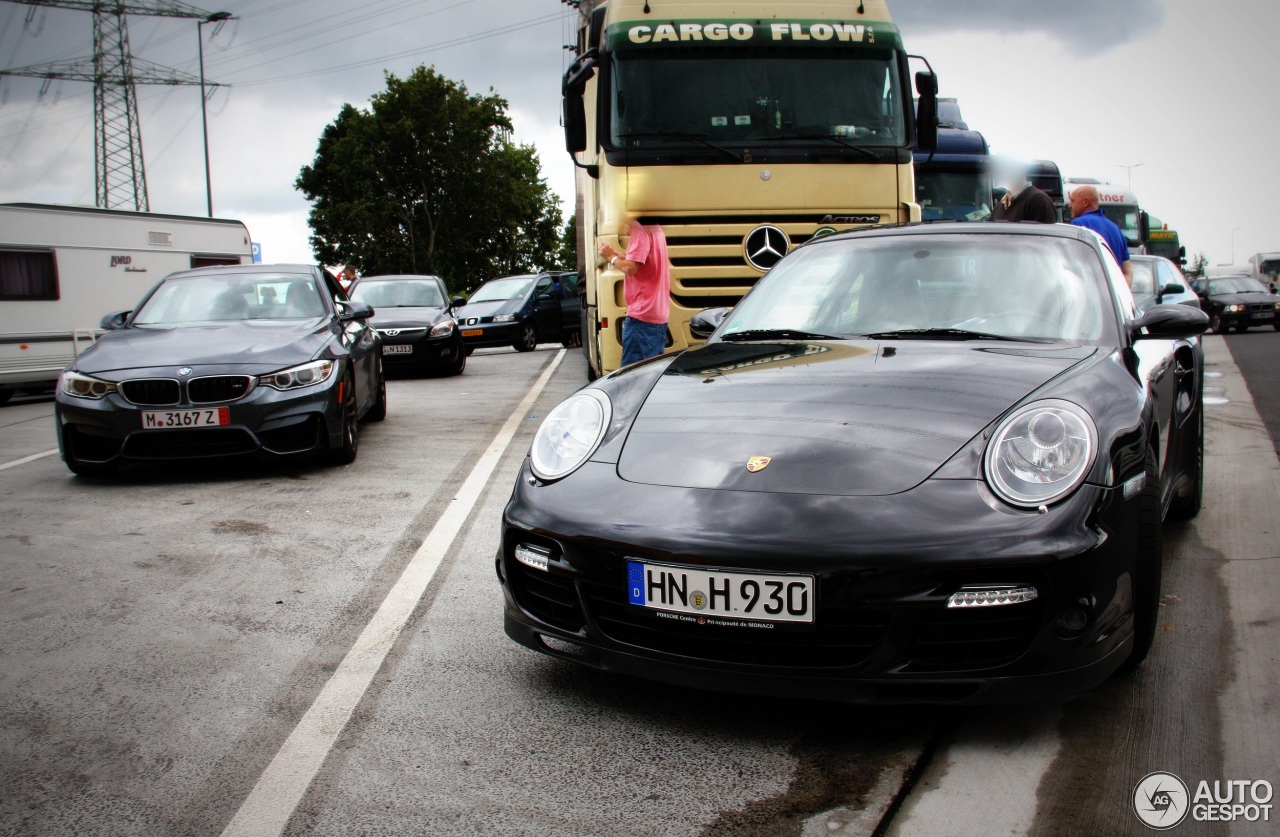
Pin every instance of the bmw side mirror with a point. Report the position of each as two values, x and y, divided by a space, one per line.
348 311
114 322
704 323
1170 322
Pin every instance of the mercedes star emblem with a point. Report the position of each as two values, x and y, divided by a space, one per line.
765 246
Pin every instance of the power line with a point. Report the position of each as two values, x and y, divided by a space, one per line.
492 33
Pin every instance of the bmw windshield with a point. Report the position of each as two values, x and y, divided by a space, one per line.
231 297
946 286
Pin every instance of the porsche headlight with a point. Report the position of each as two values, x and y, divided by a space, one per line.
1041 453
83 386
443 329
570 434
308 374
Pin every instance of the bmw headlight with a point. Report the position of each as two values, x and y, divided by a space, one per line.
505 318
1234 309
1041 453
308 374
570 434
443 329
83 386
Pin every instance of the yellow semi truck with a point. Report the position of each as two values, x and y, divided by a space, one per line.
742 128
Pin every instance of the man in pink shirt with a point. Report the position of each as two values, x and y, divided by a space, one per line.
647 289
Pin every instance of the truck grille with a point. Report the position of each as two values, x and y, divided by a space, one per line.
708 263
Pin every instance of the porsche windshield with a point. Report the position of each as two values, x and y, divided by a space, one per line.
230 297
756 95
948 286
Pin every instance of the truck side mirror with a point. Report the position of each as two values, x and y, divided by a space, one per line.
927 111
1144 224
574 109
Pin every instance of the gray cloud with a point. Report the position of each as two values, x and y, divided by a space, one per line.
1084 27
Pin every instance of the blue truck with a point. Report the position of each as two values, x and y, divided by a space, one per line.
953 182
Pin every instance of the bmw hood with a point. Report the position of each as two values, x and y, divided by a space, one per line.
1246 298
835 418
263 345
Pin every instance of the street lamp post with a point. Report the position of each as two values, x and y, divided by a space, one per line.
216 17
1129 173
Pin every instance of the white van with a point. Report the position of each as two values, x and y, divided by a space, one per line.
63 267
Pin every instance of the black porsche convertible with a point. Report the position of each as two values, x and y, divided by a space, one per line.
925 464
270 360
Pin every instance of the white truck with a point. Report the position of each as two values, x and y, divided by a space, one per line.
1118 204
1265 267
63 267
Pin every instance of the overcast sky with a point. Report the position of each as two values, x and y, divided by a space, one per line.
1180 91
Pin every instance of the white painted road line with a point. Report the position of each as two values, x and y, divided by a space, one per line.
275 797
24 460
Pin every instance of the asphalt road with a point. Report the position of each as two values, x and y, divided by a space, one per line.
308 650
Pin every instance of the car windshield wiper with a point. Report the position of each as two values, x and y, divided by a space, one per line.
863 150
945 334
777 334
698 138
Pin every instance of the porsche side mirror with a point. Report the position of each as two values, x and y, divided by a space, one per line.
1170 322
704 323
348 311
114 322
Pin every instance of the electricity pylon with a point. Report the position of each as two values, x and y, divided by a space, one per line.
119 171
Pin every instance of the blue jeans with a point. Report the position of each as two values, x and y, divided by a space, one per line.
642 340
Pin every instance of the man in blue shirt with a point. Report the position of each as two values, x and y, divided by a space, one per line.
1085 213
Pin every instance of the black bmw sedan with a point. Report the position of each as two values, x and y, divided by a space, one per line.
414 316
224 361
1238 302
926 464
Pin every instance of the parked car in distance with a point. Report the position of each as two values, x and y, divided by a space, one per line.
271 360
1237 302
523 311
914 464
1158 281
414 316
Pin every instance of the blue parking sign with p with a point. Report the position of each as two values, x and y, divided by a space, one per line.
257 253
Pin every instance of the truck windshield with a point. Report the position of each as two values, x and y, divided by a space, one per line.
1126 218
954 196
765 96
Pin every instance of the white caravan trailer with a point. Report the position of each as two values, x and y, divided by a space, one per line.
63 267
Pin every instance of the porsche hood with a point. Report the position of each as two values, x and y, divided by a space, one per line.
852 419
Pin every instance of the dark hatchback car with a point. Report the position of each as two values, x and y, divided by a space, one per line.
1237 302
224 361
1158 281
523 311
414 316
926 464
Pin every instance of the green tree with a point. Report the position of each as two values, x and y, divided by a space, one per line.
567 252
427 180
1197 265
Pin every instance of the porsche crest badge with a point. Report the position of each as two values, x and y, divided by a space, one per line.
758 463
